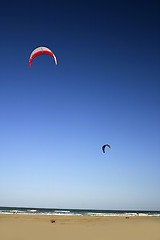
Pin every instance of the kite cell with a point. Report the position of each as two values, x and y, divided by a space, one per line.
104 146
39 51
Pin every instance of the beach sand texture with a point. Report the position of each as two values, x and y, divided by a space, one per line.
33 227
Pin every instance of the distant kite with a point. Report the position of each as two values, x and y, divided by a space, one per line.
39 51
104 146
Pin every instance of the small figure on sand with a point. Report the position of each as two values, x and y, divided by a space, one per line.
53 220
137 213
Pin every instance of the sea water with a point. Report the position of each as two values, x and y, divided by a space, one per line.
76 212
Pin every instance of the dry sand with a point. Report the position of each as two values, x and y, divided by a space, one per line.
29 227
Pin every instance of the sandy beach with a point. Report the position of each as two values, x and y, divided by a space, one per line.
24 227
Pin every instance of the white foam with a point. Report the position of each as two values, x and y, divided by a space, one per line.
32 210
62 211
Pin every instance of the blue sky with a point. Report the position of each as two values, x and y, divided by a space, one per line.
55 119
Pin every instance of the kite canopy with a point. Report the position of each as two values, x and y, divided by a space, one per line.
104 146
39 51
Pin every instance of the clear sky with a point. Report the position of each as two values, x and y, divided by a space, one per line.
55 119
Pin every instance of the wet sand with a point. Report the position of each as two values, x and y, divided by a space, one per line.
29 227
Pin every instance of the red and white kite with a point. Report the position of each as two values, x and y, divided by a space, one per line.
39 51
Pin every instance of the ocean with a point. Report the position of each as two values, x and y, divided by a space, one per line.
76 212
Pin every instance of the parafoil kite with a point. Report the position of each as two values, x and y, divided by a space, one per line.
39 51
104 146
